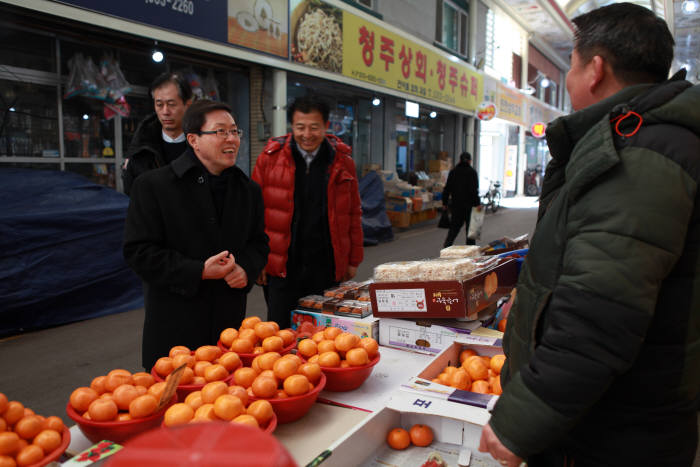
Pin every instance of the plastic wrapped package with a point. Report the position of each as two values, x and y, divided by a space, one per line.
446 269
460 251
399 271
312 302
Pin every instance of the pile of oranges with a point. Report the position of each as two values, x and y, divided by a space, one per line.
477 373
206 364
419 434
218 401
335 348
275 376
118 396
256 337
25 437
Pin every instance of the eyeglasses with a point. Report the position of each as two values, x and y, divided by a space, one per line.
221 133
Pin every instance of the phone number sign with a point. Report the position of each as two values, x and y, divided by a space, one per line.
376 55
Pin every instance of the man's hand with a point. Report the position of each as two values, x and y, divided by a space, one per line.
217 266
237 279
262 278
491 444
350 273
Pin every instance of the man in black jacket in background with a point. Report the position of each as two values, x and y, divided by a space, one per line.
460 194
159 139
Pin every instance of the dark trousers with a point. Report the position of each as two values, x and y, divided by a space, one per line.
282 294
459 216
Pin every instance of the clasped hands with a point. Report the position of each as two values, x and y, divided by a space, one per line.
224 266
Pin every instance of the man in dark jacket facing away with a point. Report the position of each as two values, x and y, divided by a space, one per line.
603 340
313 212
195 235
460 194
159 138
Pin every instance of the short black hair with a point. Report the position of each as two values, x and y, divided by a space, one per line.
196 114
184 90
307 104
465 156
637 43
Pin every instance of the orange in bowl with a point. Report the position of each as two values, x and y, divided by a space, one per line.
290 409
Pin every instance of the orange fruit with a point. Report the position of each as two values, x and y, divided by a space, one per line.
178 414
194 399
344 364
444 378
244 376
123 396
318 336
288 336
250 322
47 440
186 378
357 357
496 385
15 411
212 390
7 461
205 413
98 384
502 325
294 358
329 359
9 443
274 325
228 407
249 335
421 435
123 416
480 386
371 347
466 353
3 425
264 386
326 345
331 332
181 358
143 406
261 410
476 367
215 372
103 410
116 378
398 438
267 360
143 379
281 394
3 403
285 367
313 359
80 400
163 366
312 371
207 353
200 366
497 362
345 341
258 350
179 349
199 380
264 329
307 348
240 392
157 389
29 455
230 361
240 345
227 336
460 379
53 423
246 419
296 385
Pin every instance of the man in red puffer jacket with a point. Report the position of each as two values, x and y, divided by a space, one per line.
313 213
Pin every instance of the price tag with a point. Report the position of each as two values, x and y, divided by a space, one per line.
171 386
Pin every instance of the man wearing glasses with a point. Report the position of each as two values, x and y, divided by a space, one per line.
195 235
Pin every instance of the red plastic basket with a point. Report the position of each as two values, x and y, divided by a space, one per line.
347 379
56 453
290 409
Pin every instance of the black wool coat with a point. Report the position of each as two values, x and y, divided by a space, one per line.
171 229
462 188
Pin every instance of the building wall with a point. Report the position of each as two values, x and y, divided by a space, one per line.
414 16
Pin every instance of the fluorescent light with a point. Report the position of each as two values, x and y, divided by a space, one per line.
376 101
412 109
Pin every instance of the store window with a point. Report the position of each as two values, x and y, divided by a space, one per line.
453 26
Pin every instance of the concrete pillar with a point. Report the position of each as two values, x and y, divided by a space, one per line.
522 156
279 102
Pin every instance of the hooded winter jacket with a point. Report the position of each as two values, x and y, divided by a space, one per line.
603 341
274 171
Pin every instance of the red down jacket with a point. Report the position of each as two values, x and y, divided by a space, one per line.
274 172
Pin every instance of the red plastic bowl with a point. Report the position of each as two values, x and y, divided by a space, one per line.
247 358
290 409
269 428
347 379
184 389
117 431
56 453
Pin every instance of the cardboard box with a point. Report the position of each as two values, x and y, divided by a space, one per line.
423 384
430 336
399 219
444 299
398 203
363 327
455 433
438 165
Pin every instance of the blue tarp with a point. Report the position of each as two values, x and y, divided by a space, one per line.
375 223
61 251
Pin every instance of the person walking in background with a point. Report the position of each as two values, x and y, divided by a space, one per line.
159 138
313 213
603 340
195 235
461 193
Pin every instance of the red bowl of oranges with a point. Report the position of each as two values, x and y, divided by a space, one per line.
27 438
255 337
346 359
289 409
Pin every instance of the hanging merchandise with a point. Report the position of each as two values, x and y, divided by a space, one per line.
83 77
195 82
211 87
116 85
